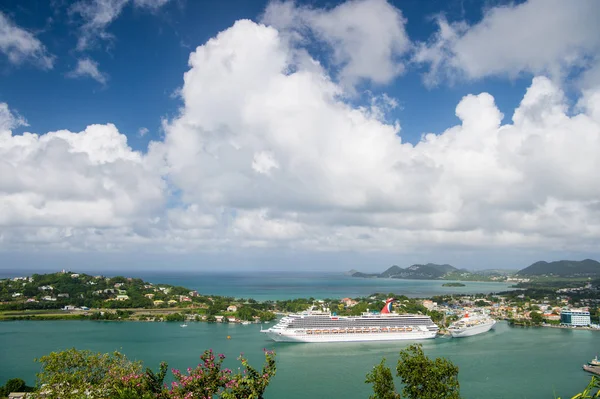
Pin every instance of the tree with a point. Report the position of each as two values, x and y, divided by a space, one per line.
70 373
422 377
383 382
536 318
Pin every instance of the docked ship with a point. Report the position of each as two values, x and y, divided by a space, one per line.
471 325
316 326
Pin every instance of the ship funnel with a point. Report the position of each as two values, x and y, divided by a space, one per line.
387 308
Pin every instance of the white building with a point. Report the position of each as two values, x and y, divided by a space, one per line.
575 317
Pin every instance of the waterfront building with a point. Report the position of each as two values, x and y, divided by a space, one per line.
575 317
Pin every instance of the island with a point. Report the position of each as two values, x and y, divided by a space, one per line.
453 285
432 271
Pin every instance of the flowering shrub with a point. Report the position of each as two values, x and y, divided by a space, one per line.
83 374
210 379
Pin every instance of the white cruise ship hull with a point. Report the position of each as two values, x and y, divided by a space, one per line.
301 336
474 330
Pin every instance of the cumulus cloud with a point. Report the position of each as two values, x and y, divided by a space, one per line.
366 37
54 184
265 152
296 163
86 67
537 37
143 131
20 46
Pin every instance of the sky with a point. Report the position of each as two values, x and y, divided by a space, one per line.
282 135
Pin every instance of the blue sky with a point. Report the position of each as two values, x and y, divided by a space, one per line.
146 60
285 140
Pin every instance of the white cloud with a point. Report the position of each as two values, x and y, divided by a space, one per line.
143 131
366 37
86 67
266 153
296 165
152 4
20 45
537 37
10 120
61 182
98 14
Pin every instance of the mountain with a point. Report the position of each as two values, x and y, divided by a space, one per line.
563 268
430 271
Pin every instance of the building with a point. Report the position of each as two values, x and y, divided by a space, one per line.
122 297
575 317
232 308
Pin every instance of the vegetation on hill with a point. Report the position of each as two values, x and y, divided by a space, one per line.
429 271
105 298
563 268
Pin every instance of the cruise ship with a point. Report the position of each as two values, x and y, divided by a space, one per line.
314 326
471 325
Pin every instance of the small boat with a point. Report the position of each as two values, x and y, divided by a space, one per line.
183 325
245 323
594 361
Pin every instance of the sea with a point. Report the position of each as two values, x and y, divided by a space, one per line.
508 362
263 286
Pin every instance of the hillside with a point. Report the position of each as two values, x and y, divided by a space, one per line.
563 268
429 271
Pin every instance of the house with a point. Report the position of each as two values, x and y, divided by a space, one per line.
172 302
158 302
232 319
149 296
429 304
16 294
183 298
193 293
63 295
69 307
118 285
46 288
232 308
348 302
48 298
122 297
219 319
74 275
17 395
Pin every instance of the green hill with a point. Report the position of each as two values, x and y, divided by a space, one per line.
429 271
563 268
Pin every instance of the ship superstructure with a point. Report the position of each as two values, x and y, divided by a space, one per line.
315 326
470 325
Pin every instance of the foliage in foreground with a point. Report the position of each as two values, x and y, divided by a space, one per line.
74 374
591 391
421 377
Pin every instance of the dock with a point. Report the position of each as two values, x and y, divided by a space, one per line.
592 369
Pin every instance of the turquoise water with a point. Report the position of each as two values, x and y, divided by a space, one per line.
276 285
506 363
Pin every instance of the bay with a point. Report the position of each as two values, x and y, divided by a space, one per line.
509 362
285 285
